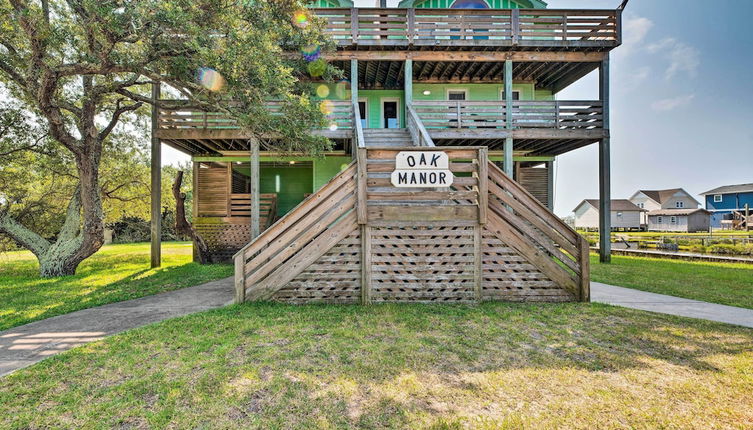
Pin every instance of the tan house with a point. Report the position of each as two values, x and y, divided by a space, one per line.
669 210
624 215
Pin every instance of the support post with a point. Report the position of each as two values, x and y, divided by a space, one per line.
605 207
408 83
508 148
255 215
365 264
550 185
354 100
354 81
156 184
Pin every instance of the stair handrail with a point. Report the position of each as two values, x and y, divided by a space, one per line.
566 237
424 139
358 127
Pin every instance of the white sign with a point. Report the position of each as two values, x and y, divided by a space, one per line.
422 169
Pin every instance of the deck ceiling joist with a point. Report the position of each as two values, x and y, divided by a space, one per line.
389 74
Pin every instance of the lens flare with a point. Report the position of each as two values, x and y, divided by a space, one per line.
342 89
333 127
210 79
311 53
326 107
322 91
300 19
317 67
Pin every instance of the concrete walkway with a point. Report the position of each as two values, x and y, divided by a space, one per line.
25 345
661 303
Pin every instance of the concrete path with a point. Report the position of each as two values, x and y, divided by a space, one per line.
661 303
25 345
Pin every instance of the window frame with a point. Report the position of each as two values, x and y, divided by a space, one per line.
679 204
719 199
456 90
502 94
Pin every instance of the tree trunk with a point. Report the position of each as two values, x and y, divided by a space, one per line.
182 226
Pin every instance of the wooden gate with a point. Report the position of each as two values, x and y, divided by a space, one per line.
361 239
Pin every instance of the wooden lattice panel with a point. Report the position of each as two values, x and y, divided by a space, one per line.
422 264
334 278
508 276
223 240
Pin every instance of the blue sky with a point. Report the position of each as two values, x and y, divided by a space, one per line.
682 101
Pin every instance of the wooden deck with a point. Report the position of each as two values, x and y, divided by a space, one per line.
536 29
538 127
359 240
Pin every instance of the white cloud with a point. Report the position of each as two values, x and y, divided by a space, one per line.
672 103
682 57
634 29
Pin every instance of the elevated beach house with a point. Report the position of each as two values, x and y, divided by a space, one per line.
440 184
730 205
624 215
670 210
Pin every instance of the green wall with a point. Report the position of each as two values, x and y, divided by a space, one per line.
295 182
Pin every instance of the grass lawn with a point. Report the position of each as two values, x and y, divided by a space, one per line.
724 283
490 366
115 273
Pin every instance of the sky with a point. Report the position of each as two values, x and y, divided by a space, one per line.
681 101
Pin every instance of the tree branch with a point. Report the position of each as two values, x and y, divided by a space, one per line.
119 110
72 224
25 237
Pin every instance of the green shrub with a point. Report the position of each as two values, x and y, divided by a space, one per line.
700 249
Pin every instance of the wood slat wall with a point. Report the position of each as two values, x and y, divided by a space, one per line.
534 180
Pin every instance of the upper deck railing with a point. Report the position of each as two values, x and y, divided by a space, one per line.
468 27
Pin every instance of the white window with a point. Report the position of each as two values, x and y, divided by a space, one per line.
640 205
457 94
658 220
679 204
672 219
717 198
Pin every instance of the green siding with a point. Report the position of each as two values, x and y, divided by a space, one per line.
326 168
295 182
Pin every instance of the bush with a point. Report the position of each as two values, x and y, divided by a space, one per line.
724 248
700 249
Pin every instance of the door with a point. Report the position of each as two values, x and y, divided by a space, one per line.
364 113
390 114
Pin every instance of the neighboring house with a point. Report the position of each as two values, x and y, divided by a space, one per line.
723 202
625 215
679 220
668 210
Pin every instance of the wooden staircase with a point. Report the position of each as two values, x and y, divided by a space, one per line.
387 137
357 240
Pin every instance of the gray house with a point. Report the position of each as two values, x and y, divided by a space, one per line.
625 215
672 209
679 220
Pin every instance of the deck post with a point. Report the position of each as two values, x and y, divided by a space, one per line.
354 100
156 184
354 81
550 185
255 215
508 148
605 209
408 83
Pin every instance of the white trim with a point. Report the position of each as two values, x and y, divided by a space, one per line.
381 110
447 92
721 198
366 110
